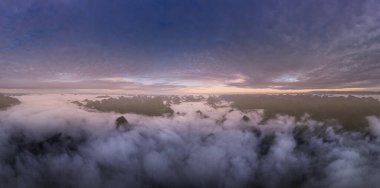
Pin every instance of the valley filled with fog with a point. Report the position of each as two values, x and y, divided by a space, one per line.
54 140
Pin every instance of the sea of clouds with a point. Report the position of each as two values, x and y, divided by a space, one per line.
49 142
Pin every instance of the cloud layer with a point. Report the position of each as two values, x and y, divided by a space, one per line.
213 149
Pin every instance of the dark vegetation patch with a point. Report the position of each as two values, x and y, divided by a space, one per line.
145 105
6 101
350 111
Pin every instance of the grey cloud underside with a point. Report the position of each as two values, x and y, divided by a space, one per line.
330 44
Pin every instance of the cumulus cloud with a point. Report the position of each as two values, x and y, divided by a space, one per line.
217 149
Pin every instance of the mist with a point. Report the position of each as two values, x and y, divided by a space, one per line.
47 141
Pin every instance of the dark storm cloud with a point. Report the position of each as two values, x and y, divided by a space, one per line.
283 44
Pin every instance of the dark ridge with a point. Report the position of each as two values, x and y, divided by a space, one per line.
102 96
265 144
170 99
77 103
57 143
145 105
175 99
245 118
192 98
349 111
201 114
122 124
345 92
6 101
213 101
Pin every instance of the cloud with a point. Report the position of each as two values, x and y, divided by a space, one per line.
332 44
186 150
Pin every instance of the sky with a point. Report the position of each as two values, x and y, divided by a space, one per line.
189 46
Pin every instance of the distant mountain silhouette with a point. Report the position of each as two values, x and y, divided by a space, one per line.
350 111
146 105
345 92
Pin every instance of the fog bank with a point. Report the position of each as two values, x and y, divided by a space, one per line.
47 141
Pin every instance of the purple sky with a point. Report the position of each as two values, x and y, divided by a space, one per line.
189 45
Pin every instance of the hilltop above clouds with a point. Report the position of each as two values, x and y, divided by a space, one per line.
6 101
